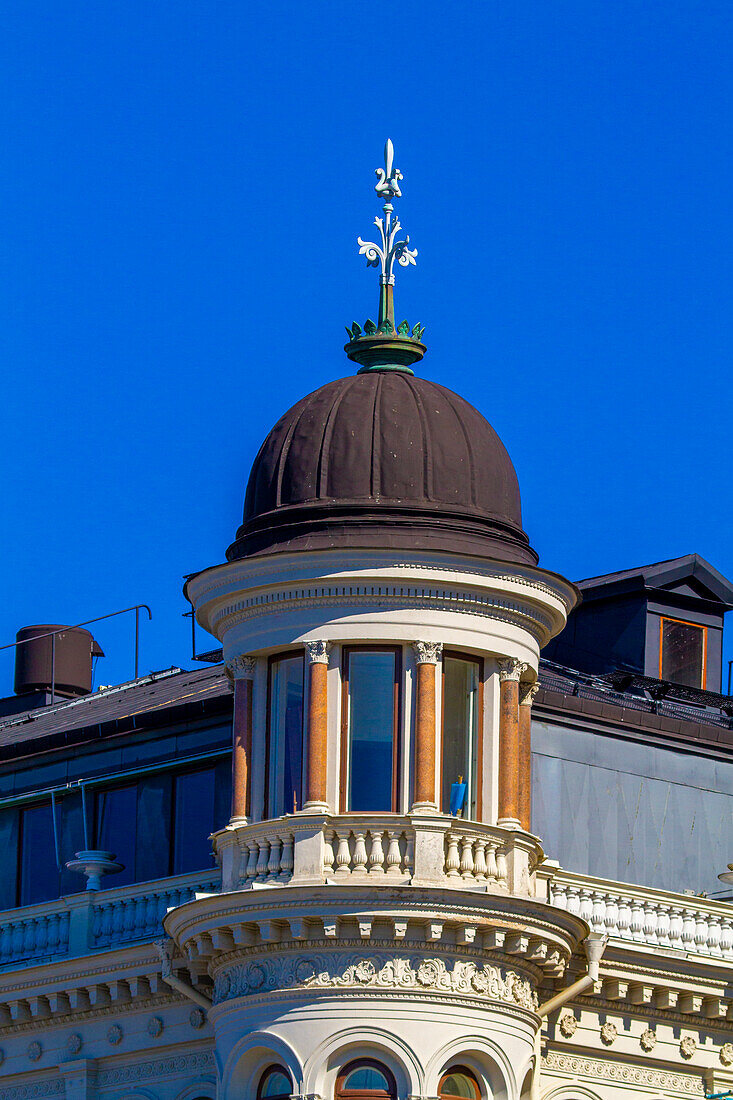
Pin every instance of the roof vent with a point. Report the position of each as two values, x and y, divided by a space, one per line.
55 658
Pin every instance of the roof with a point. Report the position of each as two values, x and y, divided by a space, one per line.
143 702
662 575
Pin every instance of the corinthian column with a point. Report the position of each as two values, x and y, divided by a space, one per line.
241 670
427 655
527 693
510 671
317 729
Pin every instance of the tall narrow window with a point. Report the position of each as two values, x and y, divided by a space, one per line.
39 874
682 653
460 755
285 736
370 741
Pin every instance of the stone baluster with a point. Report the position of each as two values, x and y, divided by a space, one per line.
510 672
688 930
701 934
611 918
624 917
492 869
241 669
714 935
273 864
502 871
663 925
252 856
317 727
427 656
726 938
360 854
287 860
343 855
598 918
452 859
479 868
394 857
376 853
527 693
263 859
466 857
329 855
650 923
675 927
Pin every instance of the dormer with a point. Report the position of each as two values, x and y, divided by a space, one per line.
663 621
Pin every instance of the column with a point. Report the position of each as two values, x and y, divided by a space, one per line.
510 671
527 693
316 793
427 655
241 670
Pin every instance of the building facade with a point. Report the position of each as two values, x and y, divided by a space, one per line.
380 847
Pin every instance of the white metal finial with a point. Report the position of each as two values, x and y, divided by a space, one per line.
385 254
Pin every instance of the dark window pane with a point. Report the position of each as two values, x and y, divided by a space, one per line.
70 819
285 737
153 848
116 828
682 653
222 792
460 731
366 1077
275 1084
458 1084
194 821
39 875
9 863
371 730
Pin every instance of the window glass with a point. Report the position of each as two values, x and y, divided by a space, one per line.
285 737
274 1085
153 848
195 794
371 730
116 827
39 874
683 653
458 1082
9 819
460 731
366 1077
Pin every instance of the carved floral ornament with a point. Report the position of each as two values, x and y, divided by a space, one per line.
568 1025
648 1040
427 653
317 652
726 1054
527 693
341 971
241 667
609 1033
511 669
688 1046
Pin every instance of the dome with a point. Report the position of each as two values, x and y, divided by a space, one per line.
384 460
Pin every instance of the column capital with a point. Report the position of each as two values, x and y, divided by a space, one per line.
511 669
317 652
427 653
527 692
241 667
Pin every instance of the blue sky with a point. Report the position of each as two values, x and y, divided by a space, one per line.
181 190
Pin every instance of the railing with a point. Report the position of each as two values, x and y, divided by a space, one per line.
36 935
92 921
657 918
134 913
476 858
356 848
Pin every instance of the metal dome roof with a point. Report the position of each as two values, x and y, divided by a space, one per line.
383 459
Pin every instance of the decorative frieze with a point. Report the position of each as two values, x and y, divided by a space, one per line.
382 973
622 1072
197 1061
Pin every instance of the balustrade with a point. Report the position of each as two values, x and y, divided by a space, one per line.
33 937
678 922
137 912
475 857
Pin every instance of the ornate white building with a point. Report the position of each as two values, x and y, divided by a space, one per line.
381 920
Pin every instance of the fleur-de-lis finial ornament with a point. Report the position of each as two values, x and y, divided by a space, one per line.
389 250
386 346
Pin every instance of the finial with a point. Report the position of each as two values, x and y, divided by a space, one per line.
386 346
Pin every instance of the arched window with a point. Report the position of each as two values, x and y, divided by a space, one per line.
275 1084
459 1082
365 1080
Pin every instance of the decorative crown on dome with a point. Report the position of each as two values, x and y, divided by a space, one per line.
386 346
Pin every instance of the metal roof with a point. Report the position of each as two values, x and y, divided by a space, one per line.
115 709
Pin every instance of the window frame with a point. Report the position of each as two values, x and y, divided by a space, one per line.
454 654
273 658
269 1071
467 1072
365 1094
346 652
685 622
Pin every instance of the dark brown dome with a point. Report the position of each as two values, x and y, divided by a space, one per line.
387 460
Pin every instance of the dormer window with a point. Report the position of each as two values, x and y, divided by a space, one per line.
682 653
